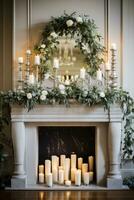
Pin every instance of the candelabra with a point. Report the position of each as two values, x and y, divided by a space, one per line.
20 78
55 77
113 75
37 73
28 54
107 78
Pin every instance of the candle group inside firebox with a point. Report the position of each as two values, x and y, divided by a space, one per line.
65 171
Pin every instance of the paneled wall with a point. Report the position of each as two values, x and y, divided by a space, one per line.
30 17
114 18
6 13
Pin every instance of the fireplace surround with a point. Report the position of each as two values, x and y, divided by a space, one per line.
25 140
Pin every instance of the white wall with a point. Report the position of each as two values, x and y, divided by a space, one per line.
128 45
115 19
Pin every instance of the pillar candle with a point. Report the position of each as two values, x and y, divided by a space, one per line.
20 60
28 51
80 161
55 162
108 67
73 160
113 46
67 169
78 177
84 169
37 60
60 167
49 180
55 175
47 167
91 163
91 176
73 170
86 178
58 162
82 73
56 63
68 183
99 75
41 168
31 79
41 178
61 176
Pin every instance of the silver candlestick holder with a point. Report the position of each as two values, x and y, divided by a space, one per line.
20 76
37 73
113 75
28 54
107 78
55 77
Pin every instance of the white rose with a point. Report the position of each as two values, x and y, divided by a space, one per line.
69 22
43 97
46 76
85 92
43 46
62 91
79 19
29 95
102 94
61 87
44 92
54 35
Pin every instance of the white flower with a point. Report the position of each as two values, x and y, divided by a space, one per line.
61 87
54 35
46 76
43 46
43 97
85 92
102 94
62 91
69 22
79 19
44 92
29 95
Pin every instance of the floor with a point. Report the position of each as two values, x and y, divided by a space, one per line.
67 195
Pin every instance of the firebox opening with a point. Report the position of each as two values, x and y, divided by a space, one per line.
66 140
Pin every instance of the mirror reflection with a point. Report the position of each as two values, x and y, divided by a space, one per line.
68 59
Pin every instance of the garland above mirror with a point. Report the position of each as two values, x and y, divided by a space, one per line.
80 28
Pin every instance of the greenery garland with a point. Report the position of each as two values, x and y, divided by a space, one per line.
80 28
34 94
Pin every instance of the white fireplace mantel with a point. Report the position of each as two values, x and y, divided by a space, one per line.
25 139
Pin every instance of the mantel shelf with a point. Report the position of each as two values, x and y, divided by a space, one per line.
61 113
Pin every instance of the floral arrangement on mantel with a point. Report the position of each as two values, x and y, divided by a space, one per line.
88 38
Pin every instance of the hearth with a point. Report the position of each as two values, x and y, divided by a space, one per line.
26 128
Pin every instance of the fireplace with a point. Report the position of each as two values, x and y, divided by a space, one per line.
28 126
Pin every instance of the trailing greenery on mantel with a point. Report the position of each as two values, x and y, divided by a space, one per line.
34 95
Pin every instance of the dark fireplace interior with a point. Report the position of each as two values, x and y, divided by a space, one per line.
65 140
